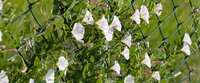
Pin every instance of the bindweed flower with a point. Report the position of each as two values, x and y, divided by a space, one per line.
136 16
88 19
3 77
31 80
103 25
186 49
129 79
49 77
0 36
147 60
116 67
187 39
126 53
156 75
186 44
62 63
158 9
108 34
78 32
116 23
127 41
1 5
144 13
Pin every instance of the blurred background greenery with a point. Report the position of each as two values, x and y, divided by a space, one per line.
56 19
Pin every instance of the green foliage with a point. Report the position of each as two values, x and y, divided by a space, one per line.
41 33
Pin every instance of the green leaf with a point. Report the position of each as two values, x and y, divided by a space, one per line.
92 59
37 62
85 69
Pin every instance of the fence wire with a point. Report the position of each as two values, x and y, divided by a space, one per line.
42 27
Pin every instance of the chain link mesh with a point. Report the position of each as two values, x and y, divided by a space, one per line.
166 32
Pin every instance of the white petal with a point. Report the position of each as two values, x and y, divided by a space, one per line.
62 63
3 77
88 18
144 13
107 31
50 76
136 16
78 31
186 49
127 41
0 36
187 39
156 75
1 5
116 67
158 9
177 74
31 80
129 79
116 23
108 34
147 60
126 53
103 23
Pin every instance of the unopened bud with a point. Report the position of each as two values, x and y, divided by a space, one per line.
136 44
158 62
104 5
2 46
11 50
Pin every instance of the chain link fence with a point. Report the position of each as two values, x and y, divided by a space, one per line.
38 34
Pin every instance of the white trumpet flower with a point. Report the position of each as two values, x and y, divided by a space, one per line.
186 44
129 79
158 9
147 60
144 13
3 77
186 49
78 31
31 80
62 63
156 75
187 39
116 23
126 53
88 19
49 77
116 67
103 25
136 16
127 41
